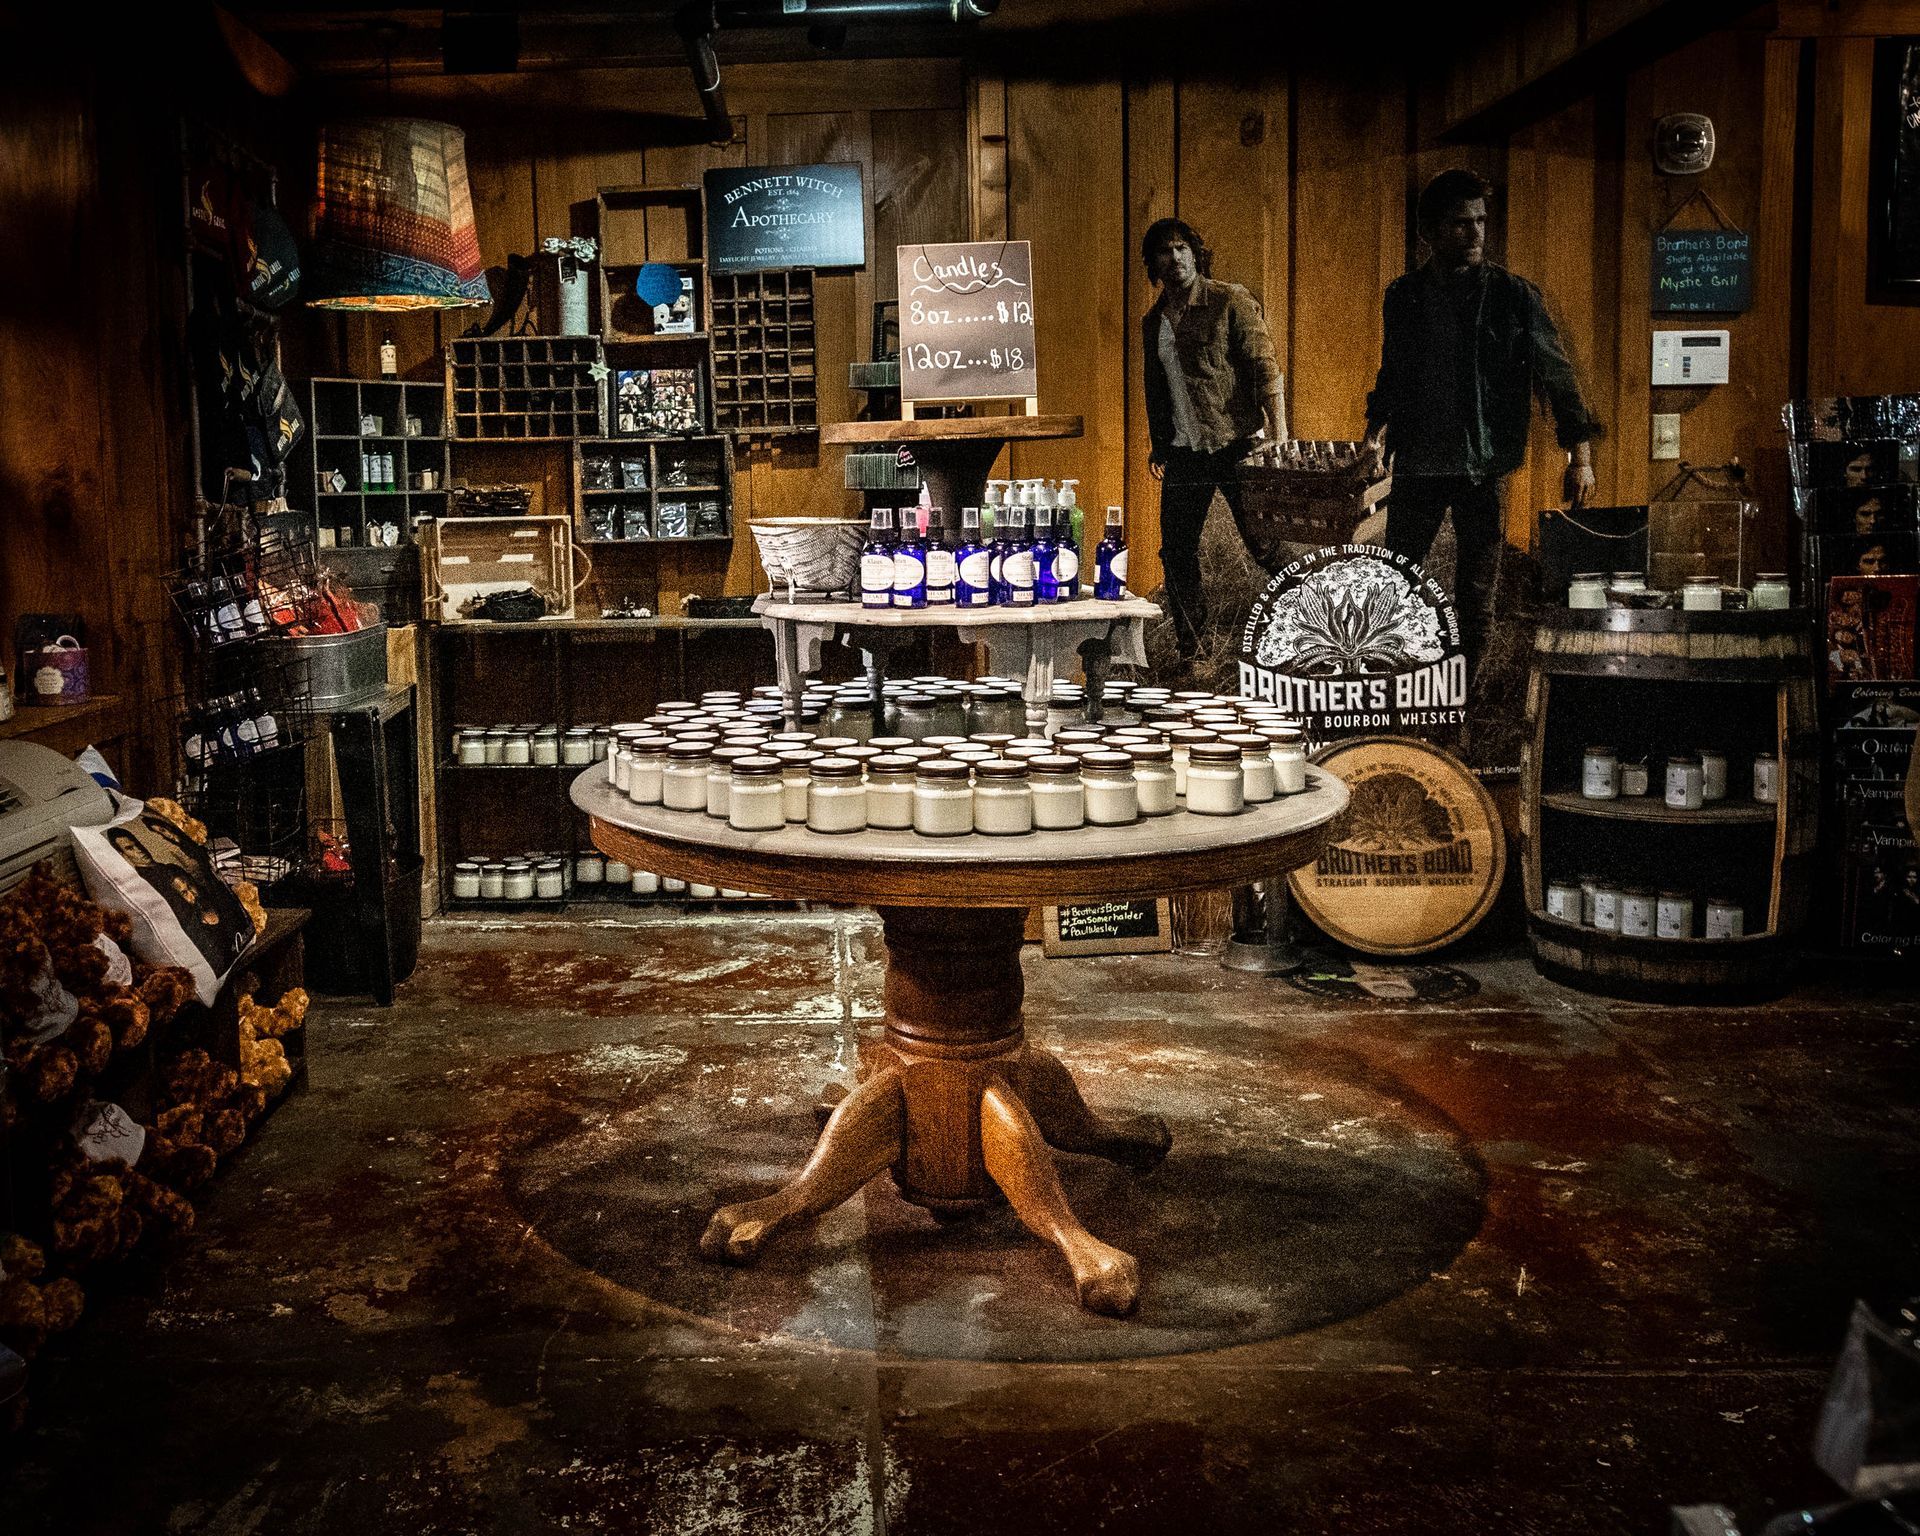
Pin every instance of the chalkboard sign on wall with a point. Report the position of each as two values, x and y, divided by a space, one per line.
1109 928
1702 271
766 218
966 321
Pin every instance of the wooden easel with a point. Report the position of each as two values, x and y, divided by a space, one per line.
1031 404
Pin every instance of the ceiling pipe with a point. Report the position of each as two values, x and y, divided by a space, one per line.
696 24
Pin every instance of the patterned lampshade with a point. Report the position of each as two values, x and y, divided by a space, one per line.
393 218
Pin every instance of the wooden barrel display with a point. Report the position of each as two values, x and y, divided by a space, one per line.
1416 859
1648 685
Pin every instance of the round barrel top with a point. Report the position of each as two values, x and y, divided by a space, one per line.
1155 856
1753 645
952 429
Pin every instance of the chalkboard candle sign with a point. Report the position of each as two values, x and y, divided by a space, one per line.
967 325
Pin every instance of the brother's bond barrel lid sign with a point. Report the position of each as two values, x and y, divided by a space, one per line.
768 217
1352 638
1415 860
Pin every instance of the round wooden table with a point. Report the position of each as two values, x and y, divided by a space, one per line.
954 1100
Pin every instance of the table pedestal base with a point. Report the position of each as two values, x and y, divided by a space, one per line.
960 1107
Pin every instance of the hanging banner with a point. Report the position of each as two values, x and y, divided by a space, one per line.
1353 639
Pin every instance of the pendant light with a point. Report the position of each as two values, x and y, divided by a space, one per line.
393 219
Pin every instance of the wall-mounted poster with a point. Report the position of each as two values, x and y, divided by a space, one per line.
1893 174
765 218
657 402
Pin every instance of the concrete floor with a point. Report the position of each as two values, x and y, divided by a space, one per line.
1535 1262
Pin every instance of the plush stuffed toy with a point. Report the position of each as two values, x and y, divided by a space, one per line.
263 1059
31 1305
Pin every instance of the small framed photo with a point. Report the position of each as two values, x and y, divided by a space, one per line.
658 402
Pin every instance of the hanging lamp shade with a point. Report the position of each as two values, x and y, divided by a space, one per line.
393 218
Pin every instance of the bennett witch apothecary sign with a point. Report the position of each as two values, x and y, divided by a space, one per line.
769 217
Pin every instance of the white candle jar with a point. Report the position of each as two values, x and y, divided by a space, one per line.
1633 777
1112 796
549 880
618 873
577 749
1766 778
646 764
1770 590
546 746
1002 798
1685 789
1258 784
589 868
645 883
1600 774
796 776
1606 908
1726 919
836 798
493 878
1183 739
619 768
473 747
890 792
516 881
720 779
1588 589
1713 775
1675 920
1701 594
683 782
942 798
1214 783
1589 899
466 882
1153 776
672 887
1059 798
1289 765
756 799
496 747
1637 913
1563 901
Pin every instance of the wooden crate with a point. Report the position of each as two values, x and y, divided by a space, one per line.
514 388
1281 507
465 557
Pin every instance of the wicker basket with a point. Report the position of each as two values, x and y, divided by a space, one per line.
1283 506
810 554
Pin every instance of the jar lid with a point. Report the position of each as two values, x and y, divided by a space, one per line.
1149 751
792 738
493 866
466 867
1194 695
580 730
1078 733
1589 575
1001 768
500 730
1723 901
1764 757
1026 754
890 763
943 742
1215 752
926 678
916 701
891 743
944 768
1684 759
832 744
1056 764
647 746
1771 576
1703 581
1192 736
548 866
1250 743
726 755
1599 751
755 766
835 768
993 738
799 755
515 866
1685 896
1629 575
1106 761
919 753
690 751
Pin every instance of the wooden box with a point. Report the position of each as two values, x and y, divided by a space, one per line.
467 557
1281 505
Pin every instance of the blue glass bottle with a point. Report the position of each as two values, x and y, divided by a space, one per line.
909 562
1066 555
943 574
1046 588
1017 565
876 561
973 581
1110 559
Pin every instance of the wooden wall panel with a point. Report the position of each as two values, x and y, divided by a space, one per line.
1152 191
1068 197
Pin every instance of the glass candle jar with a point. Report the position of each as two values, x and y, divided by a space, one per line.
756 799
619 767
1713 775
1599 774
916 716
1770 590
1183 739
576 748
1563 901
472 748
1289 751
1637 913
1766 778
942 798
466 881
1633 777
720 779
796 775
1059 798
890 792
545 748
1112 796
1685 789
1726 918
496 747
549 879
646 762
1002 798
1588 589
1701 594
1153 776
589 868
1214 783
836 797
645 883
516 880
1589 898
493 880
1257 780
1675 919
683 781
1606 908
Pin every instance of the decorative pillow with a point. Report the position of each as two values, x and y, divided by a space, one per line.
183 913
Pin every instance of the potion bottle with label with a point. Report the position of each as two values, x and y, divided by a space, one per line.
910 562
1066 551
1110 559
1071 521
1017 564
974 560
876 561
943 573
1045 586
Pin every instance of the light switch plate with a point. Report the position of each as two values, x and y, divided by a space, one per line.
1666 435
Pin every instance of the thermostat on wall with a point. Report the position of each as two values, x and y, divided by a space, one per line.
1690 357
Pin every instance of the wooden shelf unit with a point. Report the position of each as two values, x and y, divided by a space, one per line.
709 468
334 444
525 388
765 374
673 232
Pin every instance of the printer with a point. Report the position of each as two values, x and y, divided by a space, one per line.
42 794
